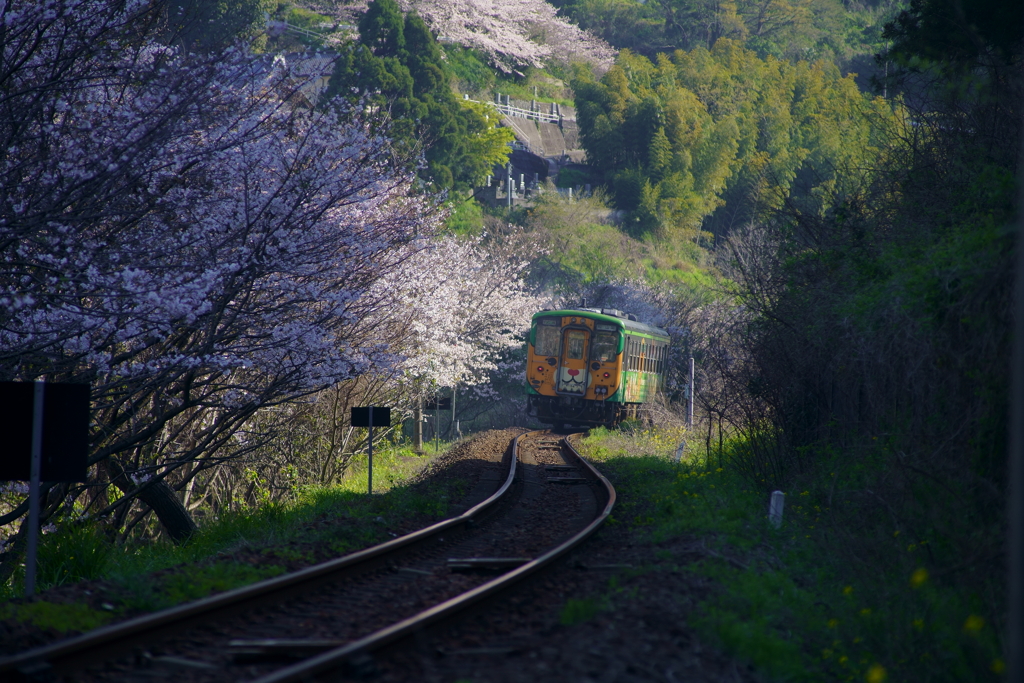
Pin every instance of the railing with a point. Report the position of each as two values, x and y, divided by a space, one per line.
519 112
509 110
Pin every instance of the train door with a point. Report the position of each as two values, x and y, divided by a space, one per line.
573 376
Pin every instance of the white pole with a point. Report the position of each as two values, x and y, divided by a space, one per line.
775 508
690 397
33 492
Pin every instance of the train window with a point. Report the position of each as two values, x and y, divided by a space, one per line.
547 341
575 341
606 345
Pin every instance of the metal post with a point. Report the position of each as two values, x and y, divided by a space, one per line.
690 398
1015 489
417 429
369 477
451 429
33 492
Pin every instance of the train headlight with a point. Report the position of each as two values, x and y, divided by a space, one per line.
540 368
607 375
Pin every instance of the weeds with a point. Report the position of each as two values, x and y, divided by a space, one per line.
62 618
786 601
278 532
577 611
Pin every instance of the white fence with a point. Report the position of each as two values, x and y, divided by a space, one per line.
553 115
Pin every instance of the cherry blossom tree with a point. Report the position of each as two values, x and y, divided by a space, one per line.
511 34
177 233
464 304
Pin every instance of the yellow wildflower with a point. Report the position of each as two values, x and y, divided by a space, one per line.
876 674
919 577
974 624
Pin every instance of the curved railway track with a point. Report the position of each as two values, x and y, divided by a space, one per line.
337 615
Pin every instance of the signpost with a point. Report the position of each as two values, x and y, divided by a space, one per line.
371 417
46 429
436 404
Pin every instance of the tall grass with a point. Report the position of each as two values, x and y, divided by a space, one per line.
83 552
785 601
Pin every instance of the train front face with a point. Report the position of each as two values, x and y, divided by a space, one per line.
574 367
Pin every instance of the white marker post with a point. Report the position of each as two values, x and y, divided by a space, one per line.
775 508
690 397
33 490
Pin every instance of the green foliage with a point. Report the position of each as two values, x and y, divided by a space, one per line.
74 553
140 573
785 600
578 611
535 84
784 29
471 73
208 26
216 578
723 129
573 177
466 217
56 616
937 30
318 26
584 247
398 60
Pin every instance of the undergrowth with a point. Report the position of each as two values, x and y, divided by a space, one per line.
786 601
146 577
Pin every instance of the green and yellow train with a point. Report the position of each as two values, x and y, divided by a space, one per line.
593 366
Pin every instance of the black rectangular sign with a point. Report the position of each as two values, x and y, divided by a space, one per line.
381 417
65 447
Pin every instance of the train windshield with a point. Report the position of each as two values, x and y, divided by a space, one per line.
575 339
547 340
606 346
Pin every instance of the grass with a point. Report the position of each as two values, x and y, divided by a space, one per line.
785 601
144 578
577 611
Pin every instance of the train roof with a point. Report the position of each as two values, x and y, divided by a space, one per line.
610 315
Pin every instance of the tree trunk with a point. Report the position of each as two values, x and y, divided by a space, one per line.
161 498
176 520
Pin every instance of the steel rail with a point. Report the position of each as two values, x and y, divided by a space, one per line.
390 635
121 637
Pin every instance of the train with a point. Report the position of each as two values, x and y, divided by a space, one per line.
591 367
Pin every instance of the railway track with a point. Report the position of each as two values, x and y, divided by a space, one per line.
337 615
